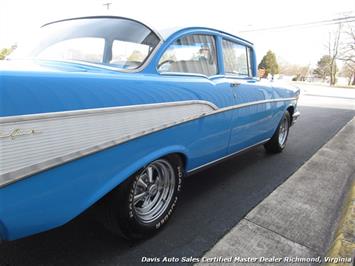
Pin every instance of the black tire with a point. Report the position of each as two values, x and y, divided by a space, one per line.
122 216
275 144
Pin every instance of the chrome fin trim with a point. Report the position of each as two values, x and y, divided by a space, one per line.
106 110
199 109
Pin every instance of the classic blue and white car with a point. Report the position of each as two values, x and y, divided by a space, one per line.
104 109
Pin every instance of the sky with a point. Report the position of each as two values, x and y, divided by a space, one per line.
299 45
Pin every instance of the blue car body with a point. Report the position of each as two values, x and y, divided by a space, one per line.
238 117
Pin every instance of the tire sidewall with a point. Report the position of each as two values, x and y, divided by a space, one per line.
287 116
131 223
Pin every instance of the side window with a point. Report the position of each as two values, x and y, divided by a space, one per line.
236 59
128 55
190 54
88 49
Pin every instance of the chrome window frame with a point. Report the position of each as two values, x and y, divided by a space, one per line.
249 61
191 74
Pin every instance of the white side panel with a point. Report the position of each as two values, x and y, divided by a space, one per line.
32 143
46 140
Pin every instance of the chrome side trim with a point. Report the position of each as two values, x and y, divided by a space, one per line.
11 177
242 105
229 155
107 110
18 118
185 74
14 175
66 136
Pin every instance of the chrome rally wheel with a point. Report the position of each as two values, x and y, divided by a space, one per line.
153 190
283 130
278 141
144 203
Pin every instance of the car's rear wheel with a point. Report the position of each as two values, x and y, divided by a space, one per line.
278 141
145 202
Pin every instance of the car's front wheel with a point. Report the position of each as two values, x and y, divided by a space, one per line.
145 202
278 141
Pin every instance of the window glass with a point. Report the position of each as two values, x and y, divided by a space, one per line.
78 49
236 59
117 42
190 54
128 55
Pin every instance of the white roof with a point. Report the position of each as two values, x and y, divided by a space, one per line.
165 33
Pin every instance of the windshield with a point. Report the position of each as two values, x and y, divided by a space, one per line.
116 42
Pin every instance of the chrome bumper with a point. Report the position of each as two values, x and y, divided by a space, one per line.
295 117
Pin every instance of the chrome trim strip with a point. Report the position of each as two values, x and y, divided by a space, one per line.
18 118
14 176
229 155
185 74
107 110
238 106
11 177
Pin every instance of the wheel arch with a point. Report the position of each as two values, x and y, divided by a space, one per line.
118 178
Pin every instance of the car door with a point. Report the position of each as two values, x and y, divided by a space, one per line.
189 67
252 113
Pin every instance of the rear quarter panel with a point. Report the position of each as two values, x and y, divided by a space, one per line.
54 196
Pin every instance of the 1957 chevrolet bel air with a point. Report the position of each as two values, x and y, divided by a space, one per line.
104 109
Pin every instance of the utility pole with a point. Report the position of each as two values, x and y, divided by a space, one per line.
107 5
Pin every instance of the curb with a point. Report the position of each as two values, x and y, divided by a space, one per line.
344 243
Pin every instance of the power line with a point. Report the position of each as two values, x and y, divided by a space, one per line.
308 24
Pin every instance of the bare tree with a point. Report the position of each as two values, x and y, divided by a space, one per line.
348 71
347 52
333 46
299 72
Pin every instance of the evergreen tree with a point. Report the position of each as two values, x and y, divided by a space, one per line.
269 63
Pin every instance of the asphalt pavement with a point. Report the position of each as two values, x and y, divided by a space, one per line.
295 224
213 201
